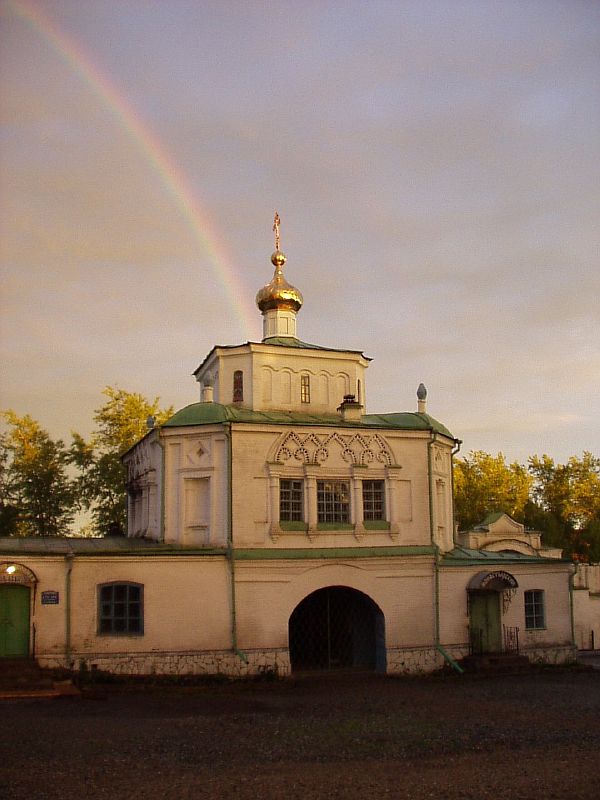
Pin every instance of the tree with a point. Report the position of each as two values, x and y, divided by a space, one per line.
568 495
484 484
120 423
38 497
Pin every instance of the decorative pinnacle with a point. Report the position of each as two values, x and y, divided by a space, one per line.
276 224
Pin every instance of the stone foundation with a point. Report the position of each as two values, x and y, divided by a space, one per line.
412 660
550 654
252 662
206 662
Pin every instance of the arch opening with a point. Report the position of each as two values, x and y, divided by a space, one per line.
337 628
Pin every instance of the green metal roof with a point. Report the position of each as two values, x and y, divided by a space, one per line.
16 546
20 546
272 553
291 341
214 413
465 556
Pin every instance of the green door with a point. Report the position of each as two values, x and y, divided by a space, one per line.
14 621
485 622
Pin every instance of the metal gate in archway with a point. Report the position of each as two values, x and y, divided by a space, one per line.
337 628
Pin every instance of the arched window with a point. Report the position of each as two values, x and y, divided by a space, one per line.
121 608
238 386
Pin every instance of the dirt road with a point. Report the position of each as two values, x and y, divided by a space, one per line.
531 737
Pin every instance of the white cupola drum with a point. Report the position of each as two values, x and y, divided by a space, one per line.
279 301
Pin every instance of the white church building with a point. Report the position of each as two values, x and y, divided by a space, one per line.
276 525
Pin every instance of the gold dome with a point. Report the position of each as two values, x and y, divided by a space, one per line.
279 293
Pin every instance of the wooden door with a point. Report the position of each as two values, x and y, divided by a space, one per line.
486 632
14 621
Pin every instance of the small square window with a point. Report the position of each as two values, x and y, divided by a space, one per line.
120 608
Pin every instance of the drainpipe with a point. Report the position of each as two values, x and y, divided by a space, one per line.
447 657
69 568
436 565
455 451
162 485
430 444
230 550
572 574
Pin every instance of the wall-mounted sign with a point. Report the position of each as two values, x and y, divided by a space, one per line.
49 598
496 581
506 578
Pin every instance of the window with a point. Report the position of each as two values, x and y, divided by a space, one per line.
120 608
373 500
535 617
290 501
333 501
305 388
238 386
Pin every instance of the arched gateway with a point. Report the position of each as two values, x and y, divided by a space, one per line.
335 628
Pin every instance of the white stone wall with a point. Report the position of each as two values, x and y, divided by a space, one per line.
586 606
144 482
553 580
196 489
272 377
263 455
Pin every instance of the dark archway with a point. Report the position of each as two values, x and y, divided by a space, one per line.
336 628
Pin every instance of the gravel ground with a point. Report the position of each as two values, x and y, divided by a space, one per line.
533 736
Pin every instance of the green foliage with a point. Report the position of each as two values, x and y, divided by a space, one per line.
38 497
569 494
484 484
561 500
120 423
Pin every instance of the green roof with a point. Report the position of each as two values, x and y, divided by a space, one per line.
465 556
291 341
214 413
107 545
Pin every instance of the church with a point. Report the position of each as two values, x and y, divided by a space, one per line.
276 526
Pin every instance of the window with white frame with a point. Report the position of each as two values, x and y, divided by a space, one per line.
535 613
120 608
333 501
291 505
305 388
373 500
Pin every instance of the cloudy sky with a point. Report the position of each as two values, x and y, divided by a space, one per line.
435 166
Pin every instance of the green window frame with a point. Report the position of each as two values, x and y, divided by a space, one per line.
535 609
121 609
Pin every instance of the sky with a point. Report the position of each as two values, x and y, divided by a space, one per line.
435 166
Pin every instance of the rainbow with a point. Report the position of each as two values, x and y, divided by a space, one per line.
155 153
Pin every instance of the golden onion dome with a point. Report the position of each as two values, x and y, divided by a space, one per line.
279 293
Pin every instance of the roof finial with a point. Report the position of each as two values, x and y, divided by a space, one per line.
276 224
